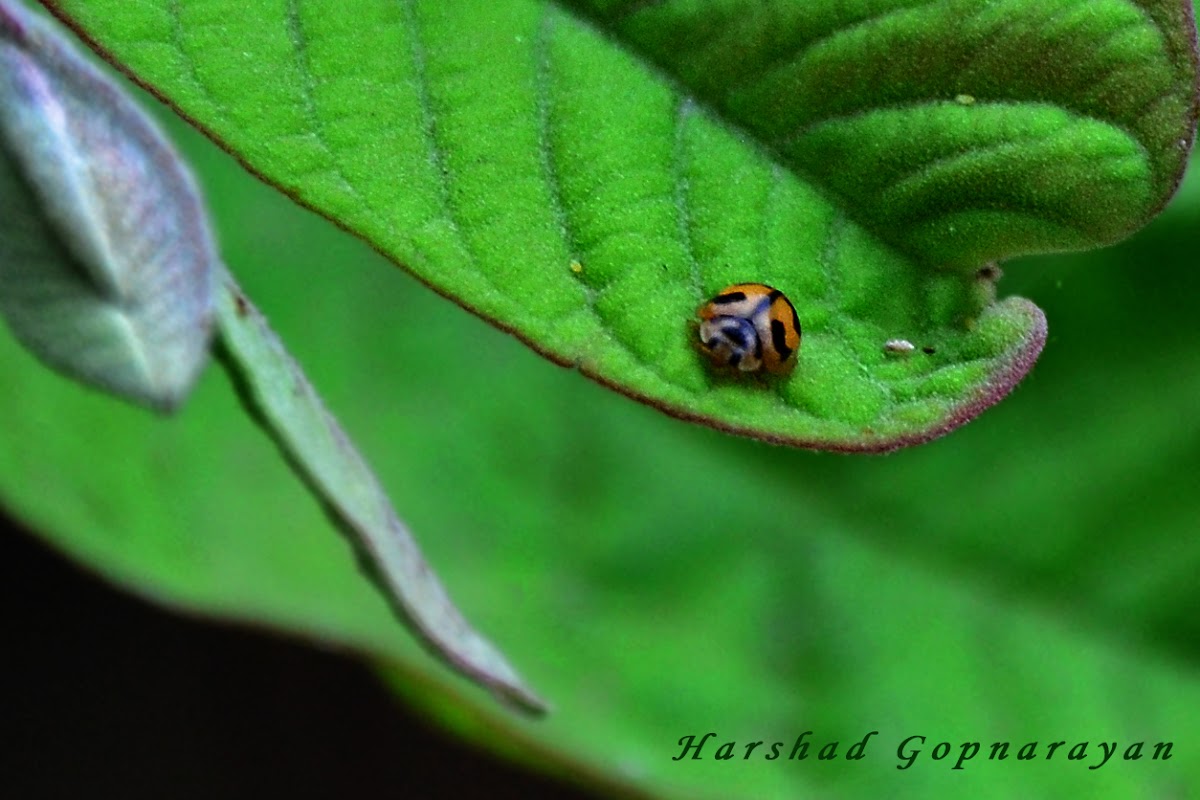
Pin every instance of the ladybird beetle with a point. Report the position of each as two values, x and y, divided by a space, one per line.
750 326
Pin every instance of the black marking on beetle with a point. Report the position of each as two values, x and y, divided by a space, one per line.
795 320
774 295
735 335
732 297
757 346
779 339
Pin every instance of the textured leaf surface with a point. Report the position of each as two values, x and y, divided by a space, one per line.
586 174
1029 579
106 261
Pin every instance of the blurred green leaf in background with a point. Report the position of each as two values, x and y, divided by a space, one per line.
1029 578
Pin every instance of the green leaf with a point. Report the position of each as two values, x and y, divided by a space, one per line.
961 131
586 175
1029 579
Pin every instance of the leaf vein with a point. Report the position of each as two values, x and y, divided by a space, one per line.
833 299
299 40
545 113
429 127
789 57
179 42
679 172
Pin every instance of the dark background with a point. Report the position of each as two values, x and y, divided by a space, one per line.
103 695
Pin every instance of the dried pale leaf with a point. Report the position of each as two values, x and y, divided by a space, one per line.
278 392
